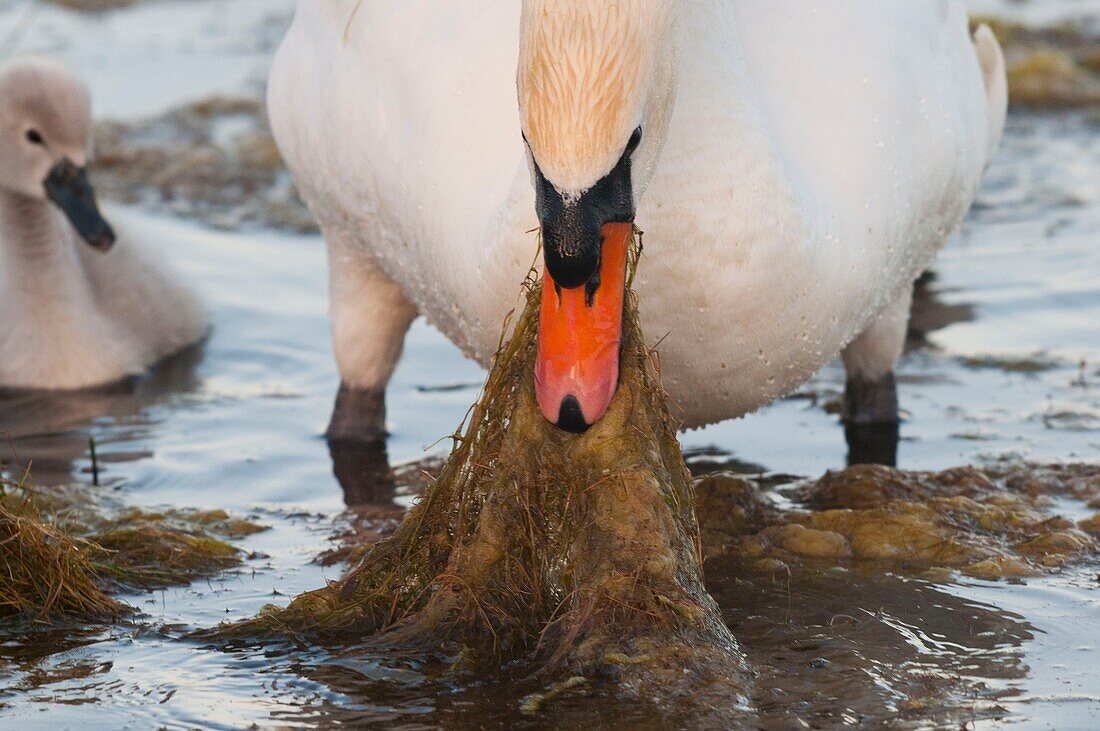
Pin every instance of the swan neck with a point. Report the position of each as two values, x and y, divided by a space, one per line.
37 253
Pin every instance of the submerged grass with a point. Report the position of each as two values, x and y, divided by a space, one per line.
62 551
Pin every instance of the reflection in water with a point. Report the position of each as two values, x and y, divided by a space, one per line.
363 471
930 313
51 429
873 443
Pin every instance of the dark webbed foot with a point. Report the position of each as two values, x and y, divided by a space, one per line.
871 422
359 415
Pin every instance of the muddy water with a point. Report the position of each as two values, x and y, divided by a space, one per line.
1004 360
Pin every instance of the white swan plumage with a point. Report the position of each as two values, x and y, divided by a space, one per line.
803 164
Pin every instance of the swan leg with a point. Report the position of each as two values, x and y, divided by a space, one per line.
870 415
370 316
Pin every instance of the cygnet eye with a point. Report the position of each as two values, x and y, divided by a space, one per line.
35 137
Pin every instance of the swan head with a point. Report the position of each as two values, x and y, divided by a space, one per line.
596 83
45 141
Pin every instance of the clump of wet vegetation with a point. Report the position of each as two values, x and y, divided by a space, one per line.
47 572
990 523
214 160
65 550
1049 66
571 555
1034 363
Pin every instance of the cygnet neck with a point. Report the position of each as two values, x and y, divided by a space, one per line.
38 263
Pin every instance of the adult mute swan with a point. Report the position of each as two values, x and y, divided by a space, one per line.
795 166
79 307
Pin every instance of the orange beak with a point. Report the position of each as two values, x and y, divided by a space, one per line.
580 330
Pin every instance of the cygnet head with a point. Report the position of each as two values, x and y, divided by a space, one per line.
45 142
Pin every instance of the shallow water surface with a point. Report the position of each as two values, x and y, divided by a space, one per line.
1004 361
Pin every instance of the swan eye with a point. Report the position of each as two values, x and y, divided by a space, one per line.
35 137
635 140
